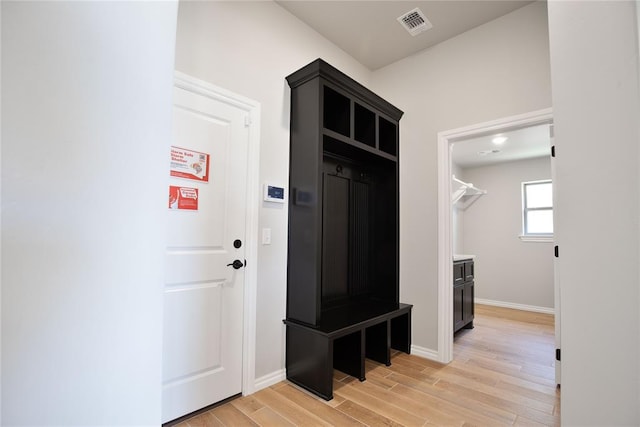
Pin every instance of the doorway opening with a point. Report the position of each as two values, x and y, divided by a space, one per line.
446 140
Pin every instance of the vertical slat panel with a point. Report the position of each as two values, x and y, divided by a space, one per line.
360 238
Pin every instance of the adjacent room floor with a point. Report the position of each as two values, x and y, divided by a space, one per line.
502 374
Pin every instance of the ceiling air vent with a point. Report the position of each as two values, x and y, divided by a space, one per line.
415 22
488 152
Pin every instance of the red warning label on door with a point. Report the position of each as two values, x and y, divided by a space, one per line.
183 198
189 164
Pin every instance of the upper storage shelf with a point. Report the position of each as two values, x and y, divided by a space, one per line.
352 114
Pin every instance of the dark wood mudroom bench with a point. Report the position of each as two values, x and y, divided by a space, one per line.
343 295
353 334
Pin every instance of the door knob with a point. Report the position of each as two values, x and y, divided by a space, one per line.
237 264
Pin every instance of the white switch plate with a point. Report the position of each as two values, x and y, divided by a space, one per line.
266 236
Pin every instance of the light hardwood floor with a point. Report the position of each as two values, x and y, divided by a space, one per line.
502 374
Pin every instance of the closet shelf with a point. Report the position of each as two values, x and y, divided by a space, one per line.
466 194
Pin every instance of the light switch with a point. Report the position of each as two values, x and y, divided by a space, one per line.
266 236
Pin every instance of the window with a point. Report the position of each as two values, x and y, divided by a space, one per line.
537 209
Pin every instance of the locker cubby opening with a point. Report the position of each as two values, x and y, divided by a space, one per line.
387 136
347 355
359 245
401 333
377 342
347 216
337 112
364 125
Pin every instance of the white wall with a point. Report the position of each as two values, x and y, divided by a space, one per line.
496 70
507 270
0 221
594 69
249 48
86 115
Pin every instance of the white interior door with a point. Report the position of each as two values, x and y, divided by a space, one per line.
203 295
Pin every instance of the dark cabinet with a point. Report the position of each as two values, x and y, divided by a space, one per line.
463 298
458 273
342 276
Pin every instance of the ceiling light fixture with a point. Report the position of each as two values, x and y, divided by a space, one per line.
499 140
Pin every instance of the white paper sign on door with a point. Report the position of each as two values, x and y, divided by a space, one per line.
189 164
183 198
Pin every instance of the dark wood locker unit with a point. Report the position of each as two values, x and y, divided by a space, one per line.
342 275
463 298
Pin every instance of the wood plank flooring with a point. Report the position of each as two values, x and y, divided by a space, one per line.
502 374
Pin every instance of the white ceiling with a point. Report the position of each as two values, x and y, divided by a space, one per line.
521 144
369 30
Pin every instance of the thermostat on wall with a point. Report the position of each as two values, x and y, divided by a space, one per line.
273 193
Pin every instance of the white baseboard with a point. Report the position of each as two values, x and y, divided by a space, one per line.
515 306
427 353
269 380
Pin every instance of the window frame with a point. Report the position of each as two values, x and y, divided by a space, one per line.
526 235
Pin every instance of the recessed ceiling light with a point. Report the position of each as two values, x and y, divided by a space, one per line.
499 140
